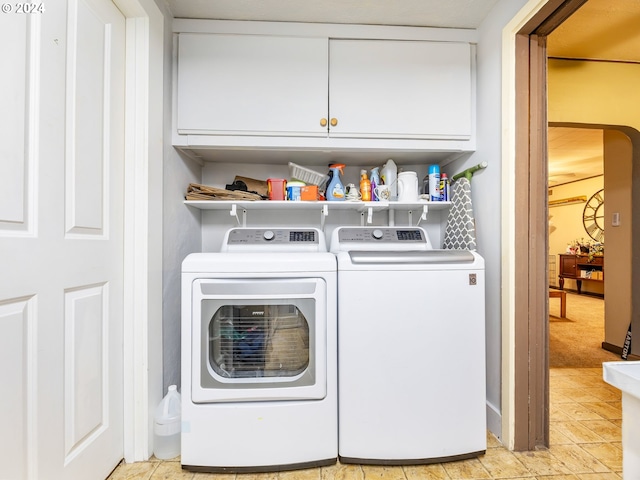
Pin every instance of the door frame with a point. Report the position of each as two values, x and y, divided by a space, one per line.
525 345
142 349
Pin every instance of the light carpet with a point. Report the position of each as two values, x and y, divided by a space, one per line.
576 341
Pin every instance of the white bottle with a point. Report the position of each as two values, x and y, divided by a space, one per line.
166 425
389 176
408 187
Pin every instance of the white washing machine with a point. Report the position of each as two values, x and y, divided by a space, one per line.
411 348
259 347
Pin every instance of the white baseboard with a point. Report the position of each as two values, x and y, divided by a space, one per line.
494 421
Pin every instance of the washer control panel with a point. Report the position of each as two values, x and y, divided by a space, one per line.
391 238
382 234
269 239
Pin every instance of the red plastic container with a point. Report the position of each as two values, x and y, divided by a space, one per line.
276 188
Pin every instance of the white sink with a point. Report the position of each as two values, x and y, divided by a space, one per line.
623 375
626 377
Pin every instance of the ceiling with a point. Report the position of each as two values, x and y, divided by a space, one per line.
421 13
574 154
599 30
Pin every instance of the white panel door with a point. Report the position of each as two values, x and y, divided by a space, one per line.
61 241
400 89
252 84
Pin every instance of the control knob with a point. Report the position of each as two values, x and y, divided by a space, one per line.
377 234
268 235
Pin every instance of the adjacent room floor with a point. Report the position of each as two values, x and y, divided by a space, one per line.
576 339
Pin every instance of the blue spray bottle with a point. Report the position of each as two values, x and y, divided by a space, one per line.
335 190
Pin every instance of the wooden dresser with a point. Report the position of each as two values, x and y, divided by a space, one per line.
579 268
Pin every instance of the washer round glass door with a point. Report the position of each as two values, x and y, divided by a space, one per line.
259 339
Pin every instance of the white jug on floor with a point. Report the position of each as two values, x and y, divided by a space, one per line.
166 425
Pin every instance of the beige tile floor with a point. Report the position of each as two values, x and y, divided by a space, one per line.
585 438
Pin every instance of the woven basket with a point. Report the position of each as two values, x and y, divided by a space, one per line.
205 192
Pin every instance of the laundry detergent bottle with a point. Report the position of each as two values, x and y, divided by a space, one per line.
335 190
375 181
365 186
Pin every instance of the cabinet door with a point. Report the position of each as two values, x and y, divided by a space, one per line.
568 264
400 89
251 84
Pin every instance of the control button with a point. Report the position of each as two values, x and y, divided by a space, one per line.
268 235
377 234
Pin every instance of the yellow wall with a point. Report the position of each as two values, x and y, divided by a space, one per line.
565 225
618 246
605 93
594 92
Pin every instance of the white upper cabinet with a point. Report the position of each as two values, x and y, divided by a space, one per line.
251 84
261 86
400 89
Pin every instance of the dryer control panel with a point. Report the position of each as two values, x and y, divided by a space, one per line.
274 239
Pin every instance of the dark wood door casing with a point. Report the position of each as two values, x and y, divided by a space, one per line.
531 369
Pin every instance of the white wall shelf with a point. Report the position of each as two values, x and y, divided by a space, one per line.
285 205
366 209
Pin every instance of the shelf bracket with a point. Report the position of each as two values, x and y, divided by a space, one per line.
370 215
324 213
234 213
423 216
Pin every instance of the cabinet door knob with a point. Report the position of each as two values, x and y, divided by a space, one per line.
334 122
323 122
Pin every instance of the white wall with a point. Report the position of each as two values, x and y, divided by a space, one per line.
181 228
486 187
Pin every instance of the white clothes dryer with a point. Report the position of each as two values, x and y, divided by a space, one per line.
411 348
259 348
